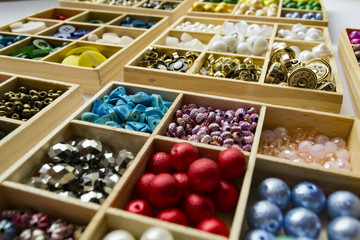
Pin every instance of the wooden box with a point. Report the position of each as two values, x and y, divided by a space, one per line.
110 215
280 17
90 79
24 135
174 14
256 91
350 66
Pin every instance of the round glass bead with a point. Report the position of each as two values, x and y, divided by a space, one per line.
274 190
343 228
301 222
308 195
343 203
258 234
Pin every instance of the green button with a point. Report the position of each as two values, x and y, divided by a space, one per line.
22 51
96 21
39 53
42 44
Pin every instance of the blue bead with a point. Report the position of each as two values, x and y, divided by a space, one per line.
274 190
308 195
301 222
128 20
141 98
117 92
167 104
156 101
143 118
141 108
120 102
102 120
319 16
146 129
342 228
106 98
96 104
7 230
296 15
153 121
131 104
113 101
266 216
137 126
104 109
138 23
114 116
306 16
311 14
128 127
19 38
126 25
123 112
125 98
80 32
89 117
113 124
343 203
135 115
1 46
62 35
150 24
258 234
153 111
288 15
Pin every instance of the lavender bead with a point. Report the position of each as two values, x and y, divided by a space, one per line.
192 106
196 129
172 129
248 140
211 117
245 126
206 139
201 133
214 127
180 122
199 117
194 112
219 112
240 113
229 115
180 131
229 141
251 110
186 118
206 129
226 127
238 137
247 133
225 135
194 138
247 147
254 117
218 119
202 109
215 133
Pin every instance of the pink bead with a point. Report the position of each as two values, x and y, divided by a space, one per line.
280 132
354 34
318 151
321 139
268 135
343 154
298 160
288 154
330 147
339 142
343 165
305 146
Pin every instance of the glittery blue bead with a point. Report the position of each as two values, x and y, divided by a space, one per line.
7 230
274 190
344 228
258 234
265 215
308 195
319 16
296 15
288 15
311 15
343 203
301 222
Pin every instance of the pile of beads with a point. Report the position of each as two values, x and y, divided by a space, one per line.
110 38
306 146
150 234
217 127
185 189
82 168
86 56
356 49
265 217
244 28
7 41
212 7
30 27
198 27
115 2
259 8
354 37
319 51
70 32
25 103
227 67
301 32
234 43
26 225
309 16
136 23
39 49
138 112
154 4
225 1
304 4
186 41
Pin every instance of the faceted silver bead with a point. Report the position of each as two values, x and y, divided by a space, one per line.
110 180
61 174
108 160
60 152
38 182
45 169
66 194
93 196
89 146
90 181
124 158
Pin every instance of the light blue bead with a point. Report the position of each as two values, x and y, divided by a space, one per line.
141 108
143 118
102 120
306 16
120 102
8 230
137 126
123 112
19 38
1 46
296 15
258 234
318 16
156 101
135 115
308 195
104 109
138 23
344 228
153 121
288 15
96 104
106 98
343 203
113 101
114 116
89 117
146 129
117 92
301 222
113 124
311 15
274 190
167 103
129 127
126 98
141 98
151 111
131 104
266 216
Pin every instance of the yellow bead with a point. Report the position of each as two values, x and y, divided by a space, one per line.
80 50
91 59
71 60
208 7
198 6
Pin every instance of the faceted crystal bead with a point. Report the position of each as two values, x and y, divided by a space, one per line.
93 196
60 152
89 146
124 158
61 174
38 182
110 180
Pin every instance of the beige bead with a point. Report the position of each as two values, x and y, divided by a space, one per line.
250 12
273 5
260 13
244 7
271 14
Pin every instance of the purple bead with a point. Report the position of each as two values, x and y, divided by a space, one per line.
21 219
194 138
178 114
188 128
40 221
201 132
247 147
254 117
229 141
214 127
192 106
186 111
211 117
240 113
218 119
206 139
237 136
7 214
354 34
180 122
172 129
226 127
196 129
253 126
225 135
199 117
186 118
194 112
229 115
247 133
245 126
215 133
355 41
251 110
248 140
202 109
180 131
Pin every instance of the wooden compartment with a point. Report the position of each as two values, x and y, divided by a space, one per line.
350 66
174 14
254 91
48 23
90 79
280 16
24 135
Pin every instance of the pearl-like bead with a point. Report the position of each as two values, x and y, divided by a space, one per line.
343 228
343 154
330 147
156 233
288 154
274 190
301 222
343 203
305 146
308 195
318 151
258 234
339 142
321 139
119 235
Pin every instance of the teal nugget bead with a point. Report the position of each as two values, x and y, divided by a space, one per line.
114 116
126 98
153 111
141 108
131 104
136 125
143 118
117 92
153 121
113 124
102 120
129 127
89 117
146 129
141 98
104 109
167 103
135 115
97 103
156 101
120 102
106 98
123 112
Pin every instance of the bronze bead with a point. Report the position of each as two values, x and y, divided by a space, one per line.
34 99
33 93
38 104
59 92
47 101
42 95
24 97
27 106
23 90
26 113
18 106
34 111
2 113
15 116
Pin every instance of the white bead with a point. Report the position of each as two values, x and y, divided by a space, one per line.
156 233
253 30
305 56
125 40
196 44
288 154
172 41
298 160
339 142
343 154
318 151
260 46
119 235
241 27
16 25
280 132
298 28
251 40
330 147
92 37
30 27
231 42
313 36
218 46
244 48
322 139
186 37
305 146
279 45
321 50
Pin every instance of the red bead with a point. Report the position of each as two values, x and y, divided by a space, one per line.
140 206
164 191
141 189
198 207
226 196
214 225
182 155
232 163
159 163
204 175
21 220
40 220
173 215
184 182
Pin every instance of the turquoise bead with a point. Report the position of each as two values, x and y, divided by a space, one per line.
141 98
146 129
126 98
156 101
153 121
141 108
138 23
129 127
97 103
120 102
113 124
102 120
104 109
114 116
167 103
150 111
123 112
135 115
131 104
106 98
89 117
143 118
137 126
117 92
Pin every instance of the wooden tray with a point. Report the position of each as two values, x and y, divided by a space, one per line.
90 79
280 17
110 214
176 13
256 91
350 66
25 135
